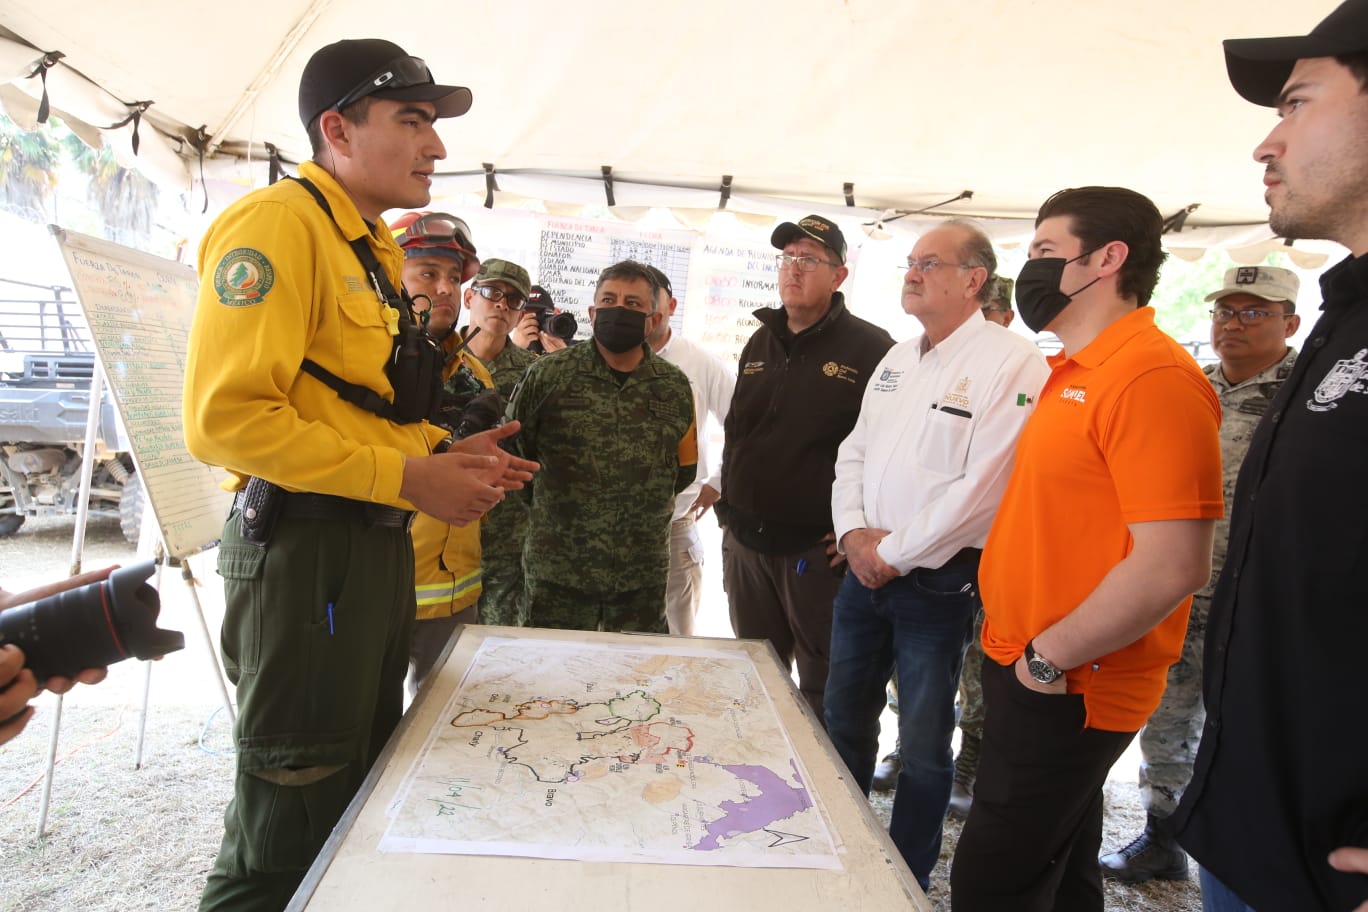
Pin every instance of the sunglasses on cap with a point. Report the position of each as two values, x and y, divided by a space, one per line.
436 228
399 73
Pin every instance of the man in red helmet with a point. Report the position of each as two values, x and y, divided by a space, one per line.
438 258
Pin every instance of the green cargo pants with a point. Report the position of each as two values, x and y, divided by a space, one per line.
315 637
642 610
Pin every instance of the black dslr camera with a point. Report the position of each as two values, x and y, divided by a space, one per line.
561 325
90 627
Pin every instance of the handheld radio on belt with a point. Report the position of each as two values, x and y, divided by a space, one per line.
414 370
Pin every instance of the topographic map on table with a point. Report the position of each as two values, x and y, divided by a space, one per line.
555 749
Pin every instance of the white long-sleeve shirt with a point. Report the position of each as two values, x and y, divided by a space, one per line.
712 385
930 454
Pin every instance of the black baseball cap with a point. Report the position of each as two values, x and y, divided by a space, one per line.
347 71
540 299
661 279
823 231
1259 67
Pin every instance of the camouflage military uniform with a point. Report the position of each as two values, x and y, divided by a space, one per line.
504 528
614 453
971 686
1168 742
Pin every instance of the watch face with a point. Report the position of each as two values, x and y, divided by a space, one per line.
1042 671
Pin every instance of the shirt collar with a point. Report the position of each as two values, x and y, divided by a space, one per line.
1110 340
963 336
1346 283
1280 367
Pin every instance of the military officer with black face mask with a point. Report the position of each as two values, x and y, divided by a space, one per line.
614 424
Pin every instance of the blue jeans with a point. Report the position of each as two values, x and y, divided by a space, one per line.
1217 897
919 623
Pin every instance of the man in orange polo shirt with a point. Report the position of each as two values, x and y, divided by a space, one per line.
1104 533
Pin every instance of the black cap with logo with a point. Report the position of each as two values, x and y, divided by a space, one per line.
347 71
821 230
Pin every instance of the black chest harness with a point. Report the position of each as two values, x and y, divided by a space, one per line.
414 367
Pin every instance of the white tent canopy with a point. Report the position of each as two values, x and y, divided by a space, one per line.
910 102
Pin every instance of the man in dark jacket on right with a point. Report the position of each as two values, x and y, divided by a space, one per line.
1276 813
800 381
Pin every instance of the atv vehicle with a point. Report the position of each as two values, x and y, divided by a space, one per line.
46 363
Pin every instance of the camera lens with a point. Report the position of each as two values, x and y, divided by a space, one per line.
90 627
562 325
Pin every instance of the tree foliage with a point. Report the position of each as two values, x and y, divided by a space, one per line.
35 162
30 163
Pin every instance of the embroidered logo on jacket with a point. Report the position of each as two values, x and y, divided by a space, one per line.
841 372
243 277
1074 394
1345 377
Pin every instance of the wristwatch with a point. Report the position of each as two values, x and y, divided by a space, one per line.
1040 667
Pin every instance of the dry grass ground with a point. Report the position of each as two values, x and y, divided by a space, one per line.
121 838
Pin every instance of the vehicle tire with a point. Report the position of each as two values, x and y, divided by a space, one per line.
10 523
131 508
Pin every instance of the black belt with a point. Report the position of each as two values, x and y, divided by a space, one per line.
343 509
964 557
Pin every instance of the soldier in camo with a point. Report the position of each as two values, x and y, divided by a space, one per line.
613 426
496 300
1251 322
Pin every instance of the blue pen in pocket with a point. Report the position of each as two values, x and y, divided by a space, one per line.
330 618
802 566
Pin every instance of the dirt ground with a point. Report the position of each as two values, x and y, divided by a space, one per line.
126 838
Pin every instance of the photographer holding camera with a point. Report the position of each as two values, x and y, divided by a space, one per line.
543 328
18 684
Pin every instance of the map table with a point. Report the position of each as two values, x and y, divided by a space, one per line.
552 769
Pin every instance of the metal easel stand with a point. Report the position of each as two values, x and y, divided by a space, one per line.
164 559
192 586
77 550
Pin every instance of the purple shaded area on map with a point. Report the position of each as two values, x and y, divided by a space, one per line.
776 801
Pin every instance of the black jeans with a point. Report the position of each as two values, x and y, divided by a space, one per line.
1030 843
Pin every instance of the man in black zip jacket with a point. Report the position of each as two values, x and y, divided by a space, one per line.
798 390
1276 813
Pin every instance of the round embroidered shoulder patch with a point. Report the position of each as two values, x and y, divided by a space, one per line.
243 277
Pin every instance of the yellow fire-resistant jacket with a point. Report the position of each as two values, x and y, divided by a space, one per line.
278 284
446 558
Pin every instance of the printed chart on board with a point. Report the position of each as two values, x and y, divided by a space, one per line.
556 749
573 252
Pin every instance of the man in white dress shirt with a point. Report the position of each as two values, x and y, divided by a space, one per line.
917 483
712 386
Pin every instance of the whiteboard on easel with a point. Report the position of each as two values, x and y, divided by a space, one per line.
139 308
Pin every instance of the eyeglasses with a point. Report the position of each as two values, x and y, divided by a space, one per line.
437 228
512 301
399 73
931 264
1221 315
802 263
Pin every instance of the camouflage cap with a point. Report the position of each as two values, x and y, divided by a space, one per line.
496 270
1002 291
1267 282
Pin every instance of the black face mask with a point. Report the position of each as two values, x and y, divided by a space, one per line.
1038 296
619 329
